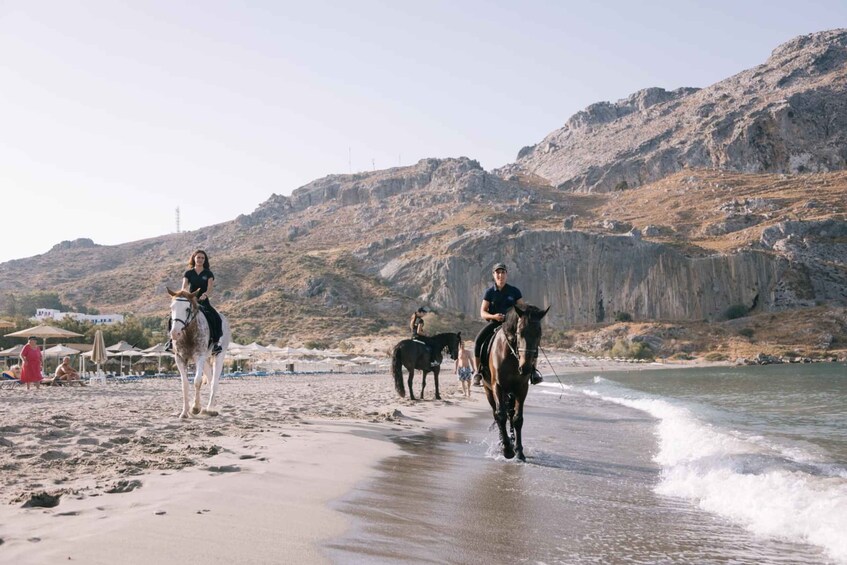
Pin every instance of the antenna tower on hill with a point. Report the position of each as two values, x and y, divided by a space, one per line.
177 219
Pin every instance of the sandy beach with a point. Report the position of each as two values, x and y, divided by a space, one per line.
335 468
105 474
137 485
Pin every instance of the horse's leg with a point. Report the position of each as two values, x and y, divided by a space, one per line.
183 373
198 382
214 367
517 425
423 382
411 376
435 371
501 416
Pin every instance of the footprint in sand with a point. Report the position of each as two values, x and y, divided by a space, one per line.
88 441
224 469
42 500
123 486
54 455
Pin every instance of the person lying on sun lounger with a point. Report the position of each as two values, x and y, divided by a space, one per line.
13 373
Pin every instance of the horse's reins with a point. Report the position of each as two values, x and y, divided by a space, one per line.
192 313
526 350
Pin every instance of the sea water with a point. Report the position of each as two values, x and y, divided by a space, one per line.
764 447
712 465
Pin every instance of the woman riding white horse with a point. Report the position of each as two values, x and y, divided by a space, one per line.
190 336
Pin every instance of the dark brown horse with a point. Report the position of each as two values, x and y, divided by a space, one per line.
413 354
511 361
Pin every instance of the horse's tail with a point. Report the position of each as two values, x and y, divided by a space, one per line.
397 370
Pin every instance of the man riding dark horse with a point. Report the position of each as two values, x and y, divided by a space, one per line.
496 303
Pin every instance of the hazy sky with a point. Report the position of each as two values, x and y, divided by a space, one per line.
114 113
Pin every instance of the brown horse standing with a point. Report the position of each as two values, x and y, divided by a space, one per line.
511 361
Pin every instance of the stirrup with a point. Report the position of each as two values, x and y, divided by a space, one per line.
216 349
169 346
536 377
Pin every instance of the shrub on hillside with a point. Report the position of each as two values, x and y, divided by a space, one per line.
627 350
735 311
623 317
746 332
714 356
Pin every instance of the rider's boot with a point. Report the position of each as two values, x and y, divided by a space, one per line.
216 348
435 362
169 346
536 377
477 378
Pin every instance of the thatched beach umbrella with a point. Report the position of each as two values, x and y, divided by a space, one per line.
6 324
12 351
60 351
44 332
157 351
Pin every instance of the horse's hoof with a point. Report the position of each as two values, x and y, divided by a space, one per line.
208 412
195 410
183 415
508 454
521 456
438 397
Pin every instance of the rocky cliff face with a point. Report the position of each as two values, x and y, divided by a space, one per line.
786 115
587 278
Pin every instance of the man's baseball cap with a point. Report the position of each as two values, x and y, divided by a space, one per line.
499 266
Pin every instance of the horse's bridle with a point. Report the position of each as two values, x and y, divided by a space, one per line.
192 313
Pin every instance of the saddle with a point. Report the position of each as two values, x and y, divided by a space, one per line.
433 356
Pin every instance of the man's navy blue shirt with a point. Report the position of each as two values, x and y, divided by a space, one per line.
499 301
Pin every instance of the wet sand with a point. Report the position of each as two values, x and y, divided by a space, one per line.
585 495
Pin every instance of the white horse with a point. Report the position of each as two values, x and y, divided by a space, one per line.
190 336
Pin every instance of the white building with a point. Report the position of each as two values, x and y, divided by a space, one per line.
43 314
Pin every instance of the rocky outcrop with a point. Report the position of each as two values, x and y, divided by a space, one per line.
585 278
453 180
786 115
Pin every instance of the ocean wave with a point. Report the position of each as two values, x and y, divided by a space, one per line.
770 489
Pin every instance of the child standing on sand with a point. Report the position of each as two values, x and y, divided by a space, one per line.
464 369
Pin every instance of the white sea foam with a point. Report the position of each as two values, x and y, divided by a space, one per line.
772 491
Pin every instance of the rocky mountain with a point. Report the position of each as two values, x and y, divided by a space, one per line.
755 223
787 115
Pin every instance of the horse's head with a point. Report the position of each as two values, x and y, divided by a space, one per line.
453 345
184 308
526 329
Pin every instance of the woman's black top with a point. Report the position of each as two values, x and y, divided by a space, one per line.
200 281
